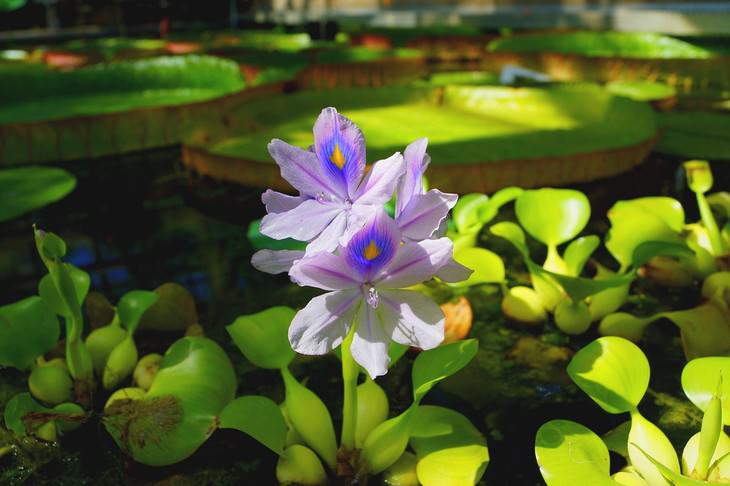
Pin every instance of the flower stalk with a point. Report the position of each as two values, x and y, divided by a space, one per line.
350 372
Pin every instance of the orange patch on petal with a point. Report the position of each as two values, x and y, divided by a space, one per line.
337 158
371 252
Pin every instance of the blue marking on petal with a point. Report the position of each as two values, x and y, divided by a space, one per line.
371 248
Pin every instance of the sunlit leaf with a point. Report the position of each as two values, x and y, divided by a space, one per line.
258 417
569 454
553 216
579 251
699 382
647 436
488 266
263 337
28 328
466 212
28 188
434 365
450 450
613 371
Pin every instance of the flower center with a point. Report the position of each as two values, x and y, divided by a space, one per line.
371 251
337 157
372 297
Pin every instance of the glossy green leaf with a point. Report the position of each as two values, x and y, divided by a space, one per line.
488 266
388 441
133 305
511 232
450 450
434 365
613 371
699 382
466 212
258 417
263 337
617 439
48 292
671 477
636 221
553 216
645 435
579 251
29 188
28 328
625 325
569 454
629 477
649 249
690 453
578 288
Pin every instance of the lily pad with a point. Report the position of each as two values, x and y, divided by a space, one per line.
695 134
29 188
481 138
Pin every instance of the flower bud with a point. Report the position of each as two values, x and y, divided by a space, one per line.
101 342
50 384
299 465
372 410
388 441
146 370
699 175
572 317
129 393
310 417
120 364
523 304
403 472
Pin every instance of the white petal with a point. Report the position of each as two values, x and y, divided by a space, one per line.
324 271
302 223
370 342
415 263
277 202
417 320
330 237
378 185
275 261
454 272
324 322
423 215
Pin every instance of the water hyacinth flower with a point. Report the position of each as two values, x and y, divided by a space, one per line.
365 281
336 195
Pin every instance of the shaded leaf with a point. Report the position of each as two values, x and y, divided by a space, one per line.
28 328
263 337
258 417
436 364
29 188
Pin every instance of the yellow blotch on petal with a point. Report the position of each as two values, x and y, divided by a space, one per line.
371 251
337 158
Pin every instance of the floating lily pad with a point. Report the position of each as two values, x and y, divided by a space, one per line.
107 108
480 138
695 134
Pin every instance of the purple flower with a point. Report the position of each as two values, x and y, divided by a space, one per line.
336 196
365 279
421 215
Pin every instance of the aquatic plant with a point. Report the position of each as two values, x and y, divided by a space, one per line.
615 374
705 329
365 260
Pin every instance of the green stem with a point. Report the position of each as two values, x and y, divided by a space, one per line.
708 221
350 373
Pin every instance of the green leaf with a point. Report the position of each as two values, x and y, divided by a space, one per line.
488 211
579 251
488 266
636 221
649 249
48 292
613 371
690 453
644 434
672 477
617 439
513 233
450 450
133 305
28 328
29 188
466 212
434 365
258 417
553 216
569 454
18 407
578 288
699 382
263 337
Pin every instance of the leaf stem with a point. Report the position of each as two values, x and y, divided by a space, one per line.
350 373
